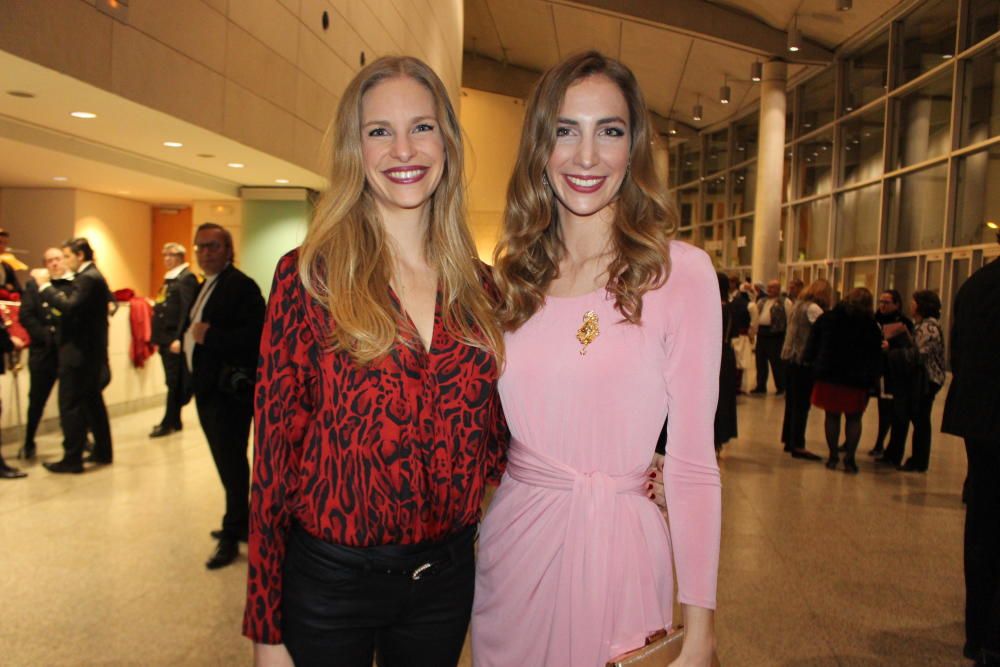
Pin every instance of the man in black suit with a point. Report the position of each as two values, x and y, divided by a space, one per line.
41 321
972 412
221 346
83 356
169 313
8 278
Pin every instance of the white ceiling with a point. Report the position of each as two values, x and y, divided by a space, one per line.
675 68
121 151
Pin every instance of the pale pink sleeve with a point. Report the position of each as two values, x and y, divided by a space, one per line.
691 475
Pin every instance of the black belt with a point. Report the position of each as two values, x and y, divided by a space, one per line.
415 561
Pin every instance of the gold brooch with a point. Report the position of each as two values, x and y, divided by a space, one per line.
588 331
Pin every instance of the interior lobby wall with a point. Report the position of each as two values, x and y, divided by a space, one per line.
270 229
36 218
492 125
119 230
229 214
170 225
266 73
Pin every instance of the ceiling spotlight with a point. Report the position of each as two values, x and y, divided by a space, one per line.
756 70
172 144
59 178
283 181
724 94
992 225
794 36
235 165
21 93
83 114
671 127
844 5
696 112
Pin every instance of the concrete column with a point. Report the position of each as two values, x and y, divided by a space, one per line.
770 166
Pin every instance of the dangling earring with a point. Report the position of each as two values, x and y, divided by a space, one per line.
545 180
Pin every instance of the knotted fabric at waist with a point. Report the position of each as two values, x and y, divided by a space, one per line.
529 466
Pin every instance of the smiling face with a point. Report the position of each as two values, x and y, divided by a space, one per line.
401 143
591 153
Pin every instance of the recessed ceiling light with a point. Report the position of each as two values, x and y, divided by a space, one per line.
83 114
20 93
172 144
946 56
124 192
281 180
205 155
235 165
59 178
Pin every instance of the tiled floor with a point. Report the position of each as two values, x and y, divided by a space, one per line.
818 568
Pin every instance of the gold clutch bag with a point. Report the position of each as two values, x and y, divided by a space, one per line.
660 650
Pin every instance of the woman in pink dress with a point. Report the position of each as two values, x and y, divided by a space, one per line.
610 327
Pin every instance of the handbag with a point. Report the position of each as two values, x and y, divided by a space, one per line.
661 649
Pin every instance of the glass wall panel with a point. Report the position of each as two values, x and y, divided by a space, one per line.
901 274
710 239
690 162
717 151
815 165
740 241
861 146
859 274
744 190
984 20
816 106
927 37
923 121
915 216
673 158
812 223
981 108
687 205
978 197
865 73
857 221
714 198
745 138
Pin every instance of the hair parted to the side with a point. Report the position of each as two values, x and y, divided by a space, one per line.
819 292
345 261
531 245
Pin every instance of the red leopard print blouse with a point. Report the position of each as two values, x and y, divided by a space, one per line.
397 452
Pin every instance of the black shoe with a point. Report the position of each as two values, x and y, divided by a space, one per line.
64 466
850 467
780 392
758 391
831 463
27 452
882 460
99 460
876 451
6 472
805 454
160 430
222 535
224 554
909 466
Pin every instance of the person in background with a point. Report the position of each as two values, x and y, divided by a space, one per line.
8 343
42 324
795 286
843 349
8 264
83 356
726 425
894 390
169 313
813 302
972 412
769 333
929 374
221 340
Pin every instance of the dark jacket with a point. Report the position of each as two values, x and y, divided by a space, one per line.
845 348
10 282
235 313
6 344
972 409
41 321
83 326
172 306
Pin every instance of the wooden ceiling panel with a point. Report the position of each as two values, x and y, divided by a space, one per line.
581 29
527 31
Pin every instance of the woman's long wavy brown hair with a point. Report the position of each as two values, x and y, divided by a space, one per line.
531 243
346 261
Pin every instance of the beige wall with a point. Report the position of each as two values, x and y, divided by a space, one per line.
492 125
229 214
262 72
119 231
37 218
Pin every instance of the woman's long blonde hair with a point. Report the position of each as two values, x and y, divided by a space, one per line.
531 244
346 259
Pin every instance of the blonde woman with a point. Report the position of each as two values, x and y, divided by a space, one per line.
610 326
377 422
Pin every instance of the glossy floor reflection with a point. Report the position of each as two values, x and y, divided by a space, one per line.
818 568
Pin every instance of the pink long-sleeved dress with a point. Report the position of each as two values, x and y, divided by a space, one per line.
574 561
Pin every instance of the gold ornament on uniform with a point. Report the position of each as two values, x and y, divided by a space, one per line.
589 331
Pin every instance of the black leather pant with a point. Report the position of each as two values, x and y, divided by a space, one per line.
44 371
226 423
982 549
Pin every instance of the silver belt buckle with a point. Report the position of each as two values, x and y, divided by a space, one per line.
420 571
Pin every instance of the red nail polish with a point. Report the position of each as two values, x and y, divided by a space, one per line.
652 475
649 487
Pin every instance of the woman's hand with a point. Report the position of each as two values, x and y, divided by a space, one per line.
271 655
654 488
